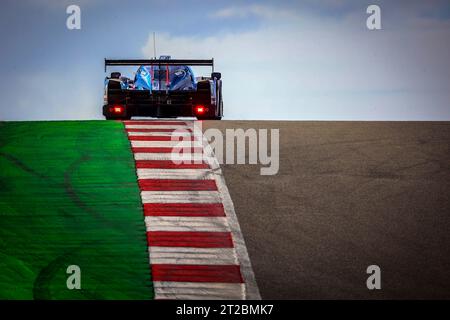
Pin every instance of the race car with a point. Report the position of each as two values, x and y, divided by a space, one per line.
163 88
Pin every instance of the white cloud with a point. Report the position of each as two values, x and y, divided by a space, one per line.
298 66
252 10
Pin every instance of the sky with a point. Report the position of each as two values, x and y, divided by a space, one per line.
280 60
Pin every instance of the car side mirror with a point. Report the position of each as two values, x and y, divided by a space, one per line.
216 75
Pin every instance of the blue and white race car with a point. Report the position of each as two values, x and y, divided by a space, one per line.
163 88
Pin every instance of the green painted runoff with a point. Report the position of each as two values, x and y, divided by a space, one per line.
69 196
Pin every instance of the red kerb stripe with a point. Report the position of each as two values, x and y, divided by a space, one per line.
197 273
176 185
184 209
168 164
189 239
154 123
162 138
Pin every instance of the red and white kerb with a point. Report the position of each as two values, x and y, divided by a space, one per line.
196 248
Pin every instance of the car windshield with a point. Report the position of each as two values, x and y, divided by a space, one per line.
160 73
178 77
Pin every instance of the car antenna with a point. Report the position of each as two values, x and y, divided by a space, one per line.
154 45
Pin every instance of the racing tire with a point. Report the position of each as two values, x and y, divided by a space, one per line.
219 117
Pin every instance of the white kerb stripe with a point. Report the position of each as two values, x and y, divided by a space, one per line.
180 197
198 290
170 156
195 256
195 224
188 174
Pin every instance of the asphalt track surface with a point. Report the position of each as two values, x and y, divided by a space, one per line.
348 195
